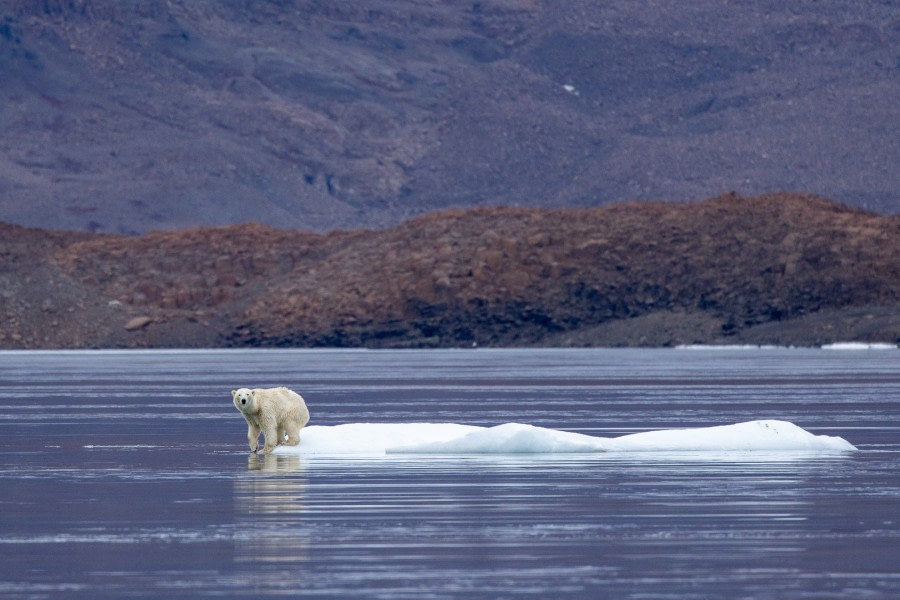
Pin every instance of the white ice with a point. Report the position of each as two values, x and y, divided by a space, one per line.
859 346
834 346
726 347
518 438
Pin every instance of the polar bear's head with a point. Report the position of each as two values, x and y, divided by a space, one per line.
244 400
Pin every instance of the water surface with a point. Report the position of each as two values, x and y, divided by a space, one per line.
128 474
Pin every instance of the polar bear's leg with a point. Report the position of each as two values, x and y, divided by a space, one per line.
253 436
286 435
291 435
299 418
270 430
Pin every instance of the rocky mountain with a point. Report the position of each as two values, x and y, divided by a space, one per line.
785 269
136 115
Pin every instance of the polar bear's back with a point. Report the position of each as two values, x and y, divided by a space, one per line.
282 401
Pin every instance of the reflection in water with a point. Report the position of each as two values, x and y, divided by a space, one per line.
268 505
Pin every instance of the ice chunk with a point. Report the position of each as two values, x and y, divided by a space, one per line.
752 435
510 438
518 438
373 438
859 346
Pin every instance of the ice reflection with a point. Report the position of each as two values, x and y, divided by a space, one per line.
799 459
269 506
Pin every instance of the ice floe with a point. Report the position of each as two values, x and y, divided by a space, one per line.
859 346
519 438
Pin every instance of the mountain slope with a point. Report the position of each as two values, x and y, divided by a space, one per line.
127 116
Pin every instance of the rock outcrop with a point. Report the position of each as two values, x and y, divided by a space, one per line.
786 269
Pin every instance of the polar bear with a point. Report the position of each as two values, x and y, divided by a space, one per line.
278 412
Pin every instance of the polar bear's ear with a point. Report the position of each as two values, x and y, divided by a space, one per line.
233 393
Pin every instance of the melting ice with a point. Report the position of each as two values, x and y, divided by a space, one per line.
518 438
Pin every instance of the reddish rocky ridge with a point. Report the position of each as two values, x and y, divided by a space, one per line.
787 269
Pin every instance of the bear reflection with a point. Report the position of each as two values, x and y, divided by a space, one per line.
268 505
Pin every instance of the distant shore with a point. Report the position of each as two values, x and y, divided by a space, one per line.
783 269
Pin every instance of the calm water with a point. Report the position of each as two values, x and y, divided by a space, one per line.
126 474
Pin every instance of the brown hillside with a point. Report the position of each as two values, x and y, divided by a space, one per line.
625 274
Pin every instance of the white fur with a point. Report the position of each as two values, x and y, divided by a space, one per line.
278 413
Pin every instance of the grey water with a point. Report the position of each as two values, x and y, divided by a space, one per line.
127 475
